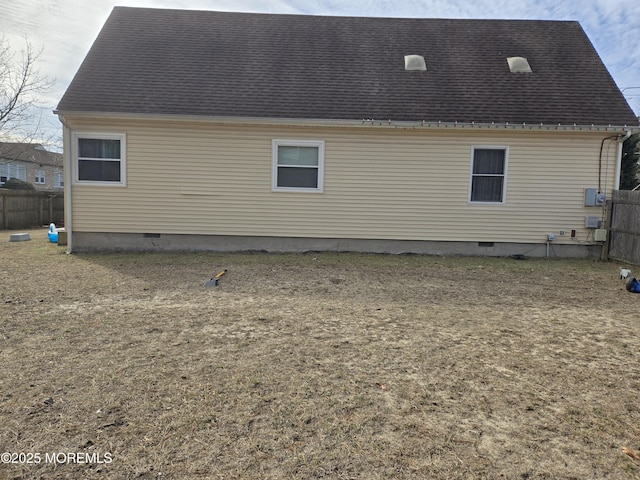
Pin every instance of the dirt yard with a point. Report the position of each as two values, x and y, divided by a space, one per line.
315 365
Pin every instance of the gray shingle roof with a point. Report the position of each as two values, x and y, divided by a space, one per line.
182 62
28 152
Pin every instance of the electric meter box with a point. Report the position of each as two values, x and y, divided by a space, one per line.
592 198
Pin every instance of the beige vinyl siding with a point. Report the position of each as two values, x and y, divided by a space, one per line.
379 182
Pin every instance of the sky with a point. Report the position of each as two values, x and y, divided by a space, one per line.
65 29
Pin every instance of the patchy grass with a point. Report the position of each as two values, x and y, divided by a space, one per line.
319 365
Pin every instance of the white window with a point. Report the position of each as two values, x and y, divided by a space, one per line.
40 179
12 170
18 171
488 174
58 178
298 165
100 159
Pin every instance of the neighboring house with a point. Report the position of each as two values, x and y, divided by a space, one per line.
241 131
32 163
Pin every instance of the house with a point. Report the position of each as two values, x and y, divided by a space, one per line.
31 162
202 130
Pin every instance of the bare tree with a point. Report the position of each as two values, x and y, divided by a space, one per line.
21 85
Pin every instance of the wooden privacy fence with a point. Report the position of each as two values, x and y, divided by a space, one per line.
624 236
28 208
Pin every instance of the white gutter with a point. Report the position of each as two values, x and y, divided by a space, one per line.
619 159
365 122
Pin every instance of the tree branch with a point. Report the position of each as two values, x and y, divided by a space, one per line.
20 86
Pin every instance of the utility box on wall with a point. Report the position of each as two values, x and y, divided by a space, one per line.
600 235
592 198
591 222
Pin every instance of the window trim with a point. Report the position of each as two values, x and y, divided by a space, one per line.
276 143
504 175
21 171
58 178
13 169
100 136
40 177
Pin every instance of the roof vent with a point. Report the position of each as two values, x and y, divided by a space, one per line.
415 62
518 65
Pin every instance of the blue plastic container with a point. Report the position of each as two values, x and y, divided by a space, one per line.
53 233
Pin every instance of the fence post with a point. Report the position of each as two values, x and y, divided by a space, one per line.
609 206
5 212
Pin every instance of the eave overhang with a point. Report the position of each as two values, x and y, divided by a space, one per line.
355 123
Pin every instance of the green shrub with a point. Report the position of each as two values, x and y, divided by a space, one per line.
17 184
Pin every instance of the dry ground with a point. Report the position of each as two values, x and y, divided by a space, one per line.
315 366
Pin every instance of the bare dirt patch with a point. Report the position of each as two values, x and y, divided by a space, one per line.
315 366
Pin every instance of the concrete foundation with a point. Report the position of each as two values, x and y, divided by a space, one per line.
148 242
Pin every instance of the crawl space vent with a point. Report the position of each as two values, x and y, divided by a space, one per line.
415 63
519 65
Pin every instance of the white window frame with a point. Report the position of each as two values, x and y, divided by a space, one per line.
100 136
4 172
58 178
15 170
40 178
319 144
21 172
504 175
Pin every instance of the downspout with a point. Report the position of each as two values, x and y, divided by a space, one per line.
68 177
619 159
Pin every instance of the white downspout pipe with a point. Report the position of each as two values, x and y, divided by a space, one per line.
68 180
616 185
